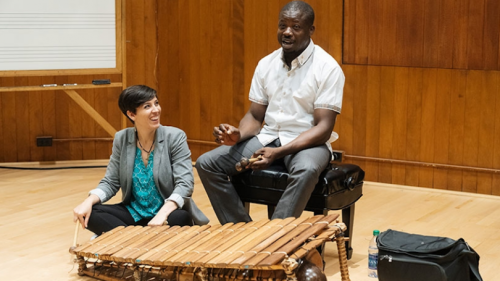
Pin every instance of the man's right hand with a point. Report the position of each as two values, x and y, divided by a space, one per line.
226 134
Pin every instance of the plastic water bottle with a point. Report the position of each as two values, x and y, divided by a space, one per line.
373 255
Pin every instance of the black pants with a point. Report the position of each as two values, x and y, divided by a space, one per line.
106 217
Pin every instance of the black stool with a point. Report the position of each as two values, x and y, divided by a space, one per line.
338 188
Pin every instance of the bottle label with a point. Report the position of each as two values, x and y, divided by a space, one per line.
372 261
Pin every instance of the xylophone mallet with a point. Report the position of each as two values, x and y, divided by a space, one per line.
245 162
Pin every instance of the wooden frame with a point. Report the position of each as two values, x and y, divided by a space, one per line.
70 91
120 34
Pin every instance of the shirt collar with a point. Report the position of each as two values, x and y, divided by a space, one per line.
303 57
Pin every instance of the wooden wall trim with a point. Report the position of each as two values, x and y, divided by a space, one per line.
91 111
203 142
26 73
424 164
58 87
123 44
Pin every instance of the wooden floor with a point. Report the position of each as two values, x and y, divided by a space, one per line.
36 227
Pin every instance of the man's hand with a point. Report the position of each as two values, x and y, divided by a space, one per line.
269 154
226 134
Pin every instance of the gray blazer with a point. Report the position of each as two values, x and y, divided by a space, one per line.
172 169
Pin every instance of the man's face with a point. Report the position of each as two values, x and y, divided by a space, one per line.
294 32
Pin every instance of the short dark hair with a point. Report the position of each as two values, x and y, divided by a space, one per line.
132 97
306 9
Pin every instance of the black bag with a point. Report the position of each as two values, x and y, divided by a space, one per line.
411 257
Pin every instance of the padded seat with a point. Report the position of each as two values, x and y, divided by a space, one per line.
338 188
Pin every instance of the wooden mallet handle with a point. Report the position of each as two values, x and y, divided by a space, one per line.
245 162
75 238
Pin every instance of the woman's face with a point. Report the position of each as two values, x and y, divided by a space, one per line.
147 115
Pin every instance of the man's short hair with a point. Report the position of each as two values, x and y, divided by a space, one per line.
306 9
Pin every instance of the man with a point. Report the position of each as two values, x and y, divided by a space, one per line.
296 92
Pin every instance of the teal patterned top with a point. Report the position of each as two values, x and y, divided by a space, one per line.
146 200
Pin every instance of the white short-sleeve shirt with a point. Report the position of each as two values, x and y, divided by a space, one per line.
315 80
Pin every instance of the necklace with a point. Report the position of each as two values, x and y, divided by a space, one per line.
147 151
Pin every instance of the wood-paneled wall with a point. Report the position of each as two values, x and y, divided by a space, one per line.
422 82
141 42
27 115
422 86
430 115
460 34
208 51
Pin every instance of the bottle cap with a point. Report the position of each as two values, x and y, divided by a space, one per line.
376 232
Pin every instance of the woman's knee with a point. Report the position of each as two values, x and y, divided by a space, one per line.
180 217
98 208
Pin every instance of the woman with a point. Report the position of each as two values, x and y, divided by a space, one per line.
151 163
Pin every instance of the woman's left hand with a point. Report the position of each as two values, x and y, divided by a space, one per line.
162 215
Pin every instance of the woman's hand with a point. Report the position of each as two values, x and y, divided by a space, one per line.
82 212
162 215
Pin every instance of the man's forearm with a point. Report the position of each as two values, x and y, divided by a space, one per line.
310 138
249 127
251 123
317 135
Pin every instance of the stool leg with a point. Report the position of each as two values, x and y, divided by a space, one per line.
348 219
270 211
247 207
